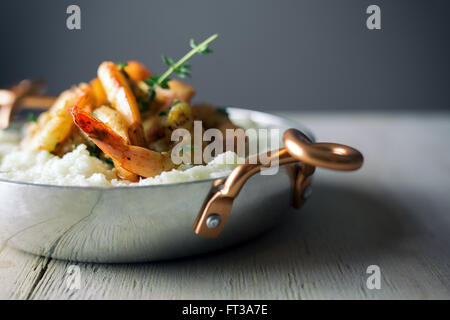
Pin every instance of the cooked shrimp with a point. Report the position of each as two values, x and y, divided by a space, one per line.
213 117
151 128
99 92
75 138
182 91
114 120
178 90
122 99
178 116
53 126
141 161
137 71
159 127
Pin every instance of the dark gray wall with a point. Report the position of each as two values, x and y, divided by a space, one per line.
281 54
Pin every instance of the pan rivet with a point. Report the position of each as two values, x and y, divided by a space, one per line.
307 193
213 221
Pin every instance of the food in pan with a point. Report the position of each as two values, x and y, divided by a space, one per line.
117 130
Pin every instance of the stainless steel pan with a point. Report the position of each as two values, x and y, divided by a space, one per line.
137 224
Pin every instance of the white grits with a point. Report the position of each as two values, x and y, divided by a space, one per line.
78 168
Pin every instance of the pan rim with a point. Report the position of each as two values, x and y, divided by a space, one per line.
286 121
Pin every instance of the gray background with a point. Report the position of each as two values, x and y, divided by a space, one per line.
271 55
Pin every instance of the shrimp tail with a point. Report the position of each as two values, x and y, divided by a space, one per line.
98 131
141 161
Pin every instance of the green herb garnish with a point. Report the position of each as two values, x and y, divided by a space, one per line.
166 112
202 48
122 66
180 68
152 84
108 161
174 103
144 106
31 117
182 71
94 151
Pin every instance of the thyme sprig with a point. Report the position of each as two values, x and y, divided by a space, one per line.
180 68
201 48
182 71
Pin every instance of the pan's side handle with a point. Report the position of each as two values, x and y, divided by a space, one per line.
25 94
324 154
298 148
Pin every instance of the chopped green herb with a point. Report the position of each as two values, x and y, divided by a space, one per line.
94 151
174 103
151 91
108 161
122 66
31 117
163 113
152 83
144 106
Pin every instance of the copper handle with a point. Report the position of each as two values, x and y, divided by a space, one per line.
322 154
217 206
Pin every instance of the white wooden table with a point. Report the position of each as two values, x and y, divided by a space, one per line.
394 213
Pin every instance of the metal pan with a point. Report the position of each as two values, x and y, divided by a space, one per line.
137 224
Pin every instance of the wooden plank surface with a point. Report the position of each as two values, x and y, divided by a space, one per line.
394 213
